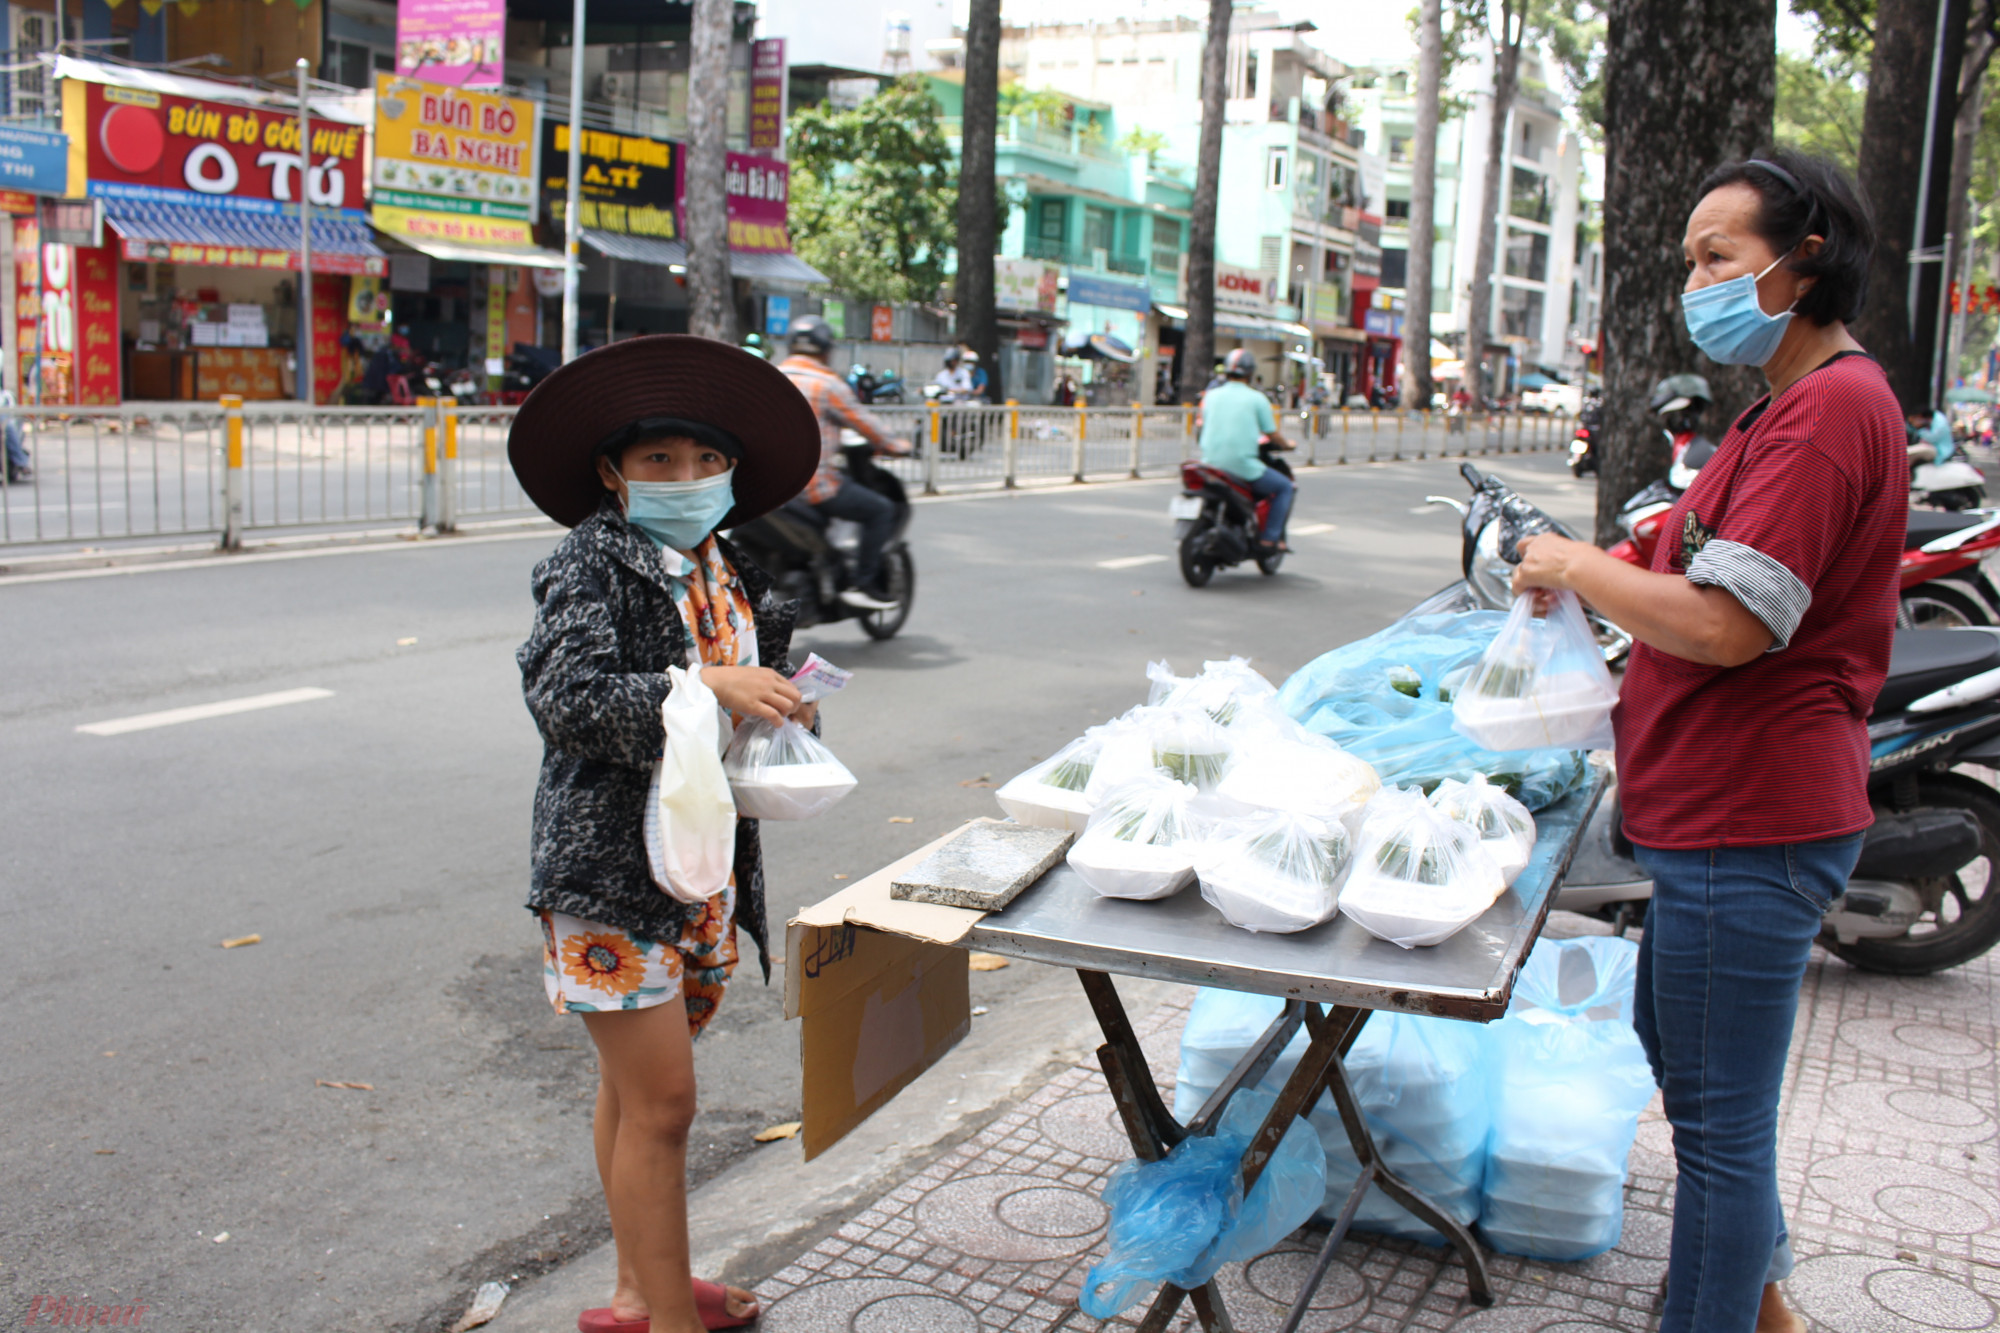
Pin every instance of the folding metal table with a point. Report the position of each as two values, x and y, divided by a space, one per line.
1331 978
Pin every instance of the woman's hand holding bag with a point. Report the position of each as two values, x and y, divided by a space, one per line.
690 815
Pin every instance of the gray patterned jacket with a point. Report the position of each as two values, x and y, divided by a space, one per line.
594 673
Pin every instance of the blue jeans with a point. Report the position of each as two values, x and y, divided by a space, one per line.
877 517
1279 489
1725 949
17 453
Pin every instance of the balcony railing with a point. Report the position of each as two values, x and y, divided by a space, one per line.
1078 257
1029 132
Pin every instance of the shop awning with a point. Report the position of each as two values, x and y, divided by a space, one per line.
185 234
769 267
756 266
523 256
1267 330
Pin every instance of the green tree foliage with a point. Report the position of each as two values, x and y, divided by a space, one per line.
1573 30
875 194
1819 106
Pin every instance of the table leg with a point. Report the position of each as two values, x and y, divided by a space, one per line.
1140 1096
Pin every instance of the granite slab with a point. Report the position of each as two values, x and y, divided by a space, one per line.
984 866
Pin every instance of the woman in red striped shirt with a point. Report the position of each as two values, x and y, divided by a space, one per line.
1763 632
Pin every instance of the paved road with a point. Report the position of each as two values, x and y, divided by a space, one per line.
161 1089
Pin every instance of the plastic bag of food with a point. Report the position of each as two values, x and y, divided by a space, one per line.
1574 1079
1419 876
783 771
1505 827
1050 794
1220 690
1305 774
1180 1219
1542 684
1185 743
1274 870
1140 842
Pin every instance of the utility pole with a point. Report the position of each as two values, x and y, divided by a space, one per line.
573 205
304 355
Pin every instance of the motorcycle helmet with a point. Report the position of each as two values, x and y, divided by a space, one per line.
812 335
1677 393
969 357
1240 365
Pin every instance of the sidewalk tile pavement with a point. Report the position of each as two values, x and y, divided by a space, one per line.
1886 1163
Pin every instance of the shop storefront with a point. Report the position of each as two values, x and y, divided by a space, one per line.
191 289
1108 322
456 187
1025 292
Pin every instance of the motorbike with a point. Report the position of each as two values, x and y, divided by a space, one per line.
1217 519
1925 894
1954 484
875 386
810 557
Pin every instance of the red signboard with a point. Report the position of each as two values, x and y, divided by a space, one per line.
329 321
96 283
27 313
758 189
243 256
882 324
159 148
767 94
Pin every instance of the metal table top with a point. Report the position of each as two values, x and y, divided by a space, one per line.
1471 975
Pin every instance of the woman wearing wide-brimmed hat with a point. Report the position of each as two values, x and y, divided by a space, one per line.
644 449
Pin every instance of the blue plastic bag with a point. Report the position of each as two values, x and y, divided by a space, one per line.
1566 1109
1181 1219
1422 1085
1386 700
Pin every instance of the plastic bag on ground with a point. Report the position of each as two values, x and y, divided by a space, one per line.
1140 842
1181 1219
1420 1083
690 822
1386 700
1419 876
1307 776
1566 1108
1274 870
783 771
1542 684
1505 827
1050 794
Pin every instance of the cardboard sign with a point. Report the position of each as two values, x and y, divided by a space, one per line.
882 992
448 151
126 143
460 42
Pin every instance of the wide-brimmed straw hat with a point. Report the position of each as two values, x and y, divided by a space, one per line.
564 423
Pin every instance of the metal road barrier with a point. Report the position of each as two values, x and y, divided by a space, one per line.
224 469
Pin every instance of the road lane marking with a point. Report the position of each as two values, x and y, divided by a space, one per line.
172 716
1311 529
1130 561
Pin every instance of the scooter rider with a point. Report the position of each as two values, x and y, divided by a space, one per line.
832 492
1234 418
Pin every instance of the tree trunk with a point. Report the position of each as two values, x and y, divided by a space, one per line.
1890 168
1689 85
978 213
1479 318
1423 203
1198 339
711 308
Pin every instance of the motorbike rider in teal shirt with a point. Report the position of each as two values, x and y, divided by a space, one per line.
1234 419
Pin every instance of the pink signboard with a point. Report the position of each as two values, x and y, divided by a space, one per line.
460 42
759 189
767 95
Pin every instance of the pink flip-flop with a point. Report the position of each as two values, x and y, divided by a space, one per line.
602 1321
711 1302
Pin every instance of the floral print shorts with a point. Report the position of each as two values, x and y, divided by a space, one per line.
589 968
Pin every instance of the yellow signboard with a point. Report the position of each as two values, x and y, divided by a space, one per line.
445 150
452 228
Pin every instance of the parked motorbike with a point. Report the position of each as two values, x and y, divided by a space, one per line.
875 386
1217 519
1952 485
1925 895
810 557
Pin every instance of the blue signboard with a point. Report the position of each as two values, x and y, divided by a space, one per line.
777 315
34 161
1111 295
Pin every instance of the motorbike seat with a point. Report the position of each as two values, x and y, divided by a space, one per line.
1927 525
1230 479
806 512
1924 660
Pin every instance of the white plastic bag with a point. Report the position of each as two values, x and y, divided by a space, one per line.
1542 684
690 824
1419 876
1140 842
1221 690
1504 825
1303 773
1274 870
1050 794
783 771
1184 742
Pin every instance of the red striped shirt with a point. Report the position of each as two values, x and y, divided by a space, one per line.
1776 750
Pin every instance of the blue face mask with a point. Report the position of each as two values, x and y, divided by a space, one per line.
1729 326
678 514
